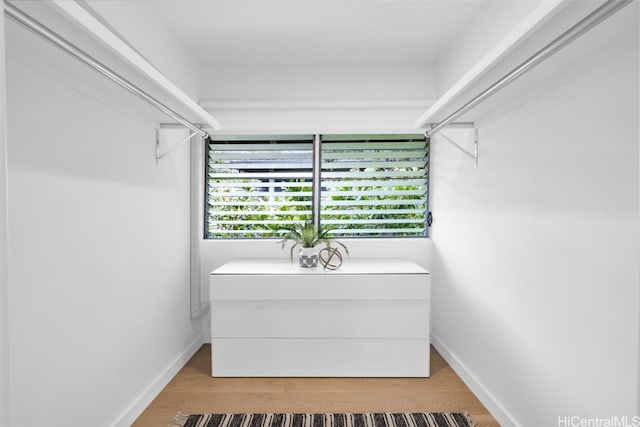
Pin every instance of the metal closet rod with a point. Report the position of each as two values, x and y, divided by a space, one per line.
39 29
584 25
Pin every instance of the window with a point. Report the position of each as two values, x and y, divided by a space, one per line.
257 183
371 185
374 185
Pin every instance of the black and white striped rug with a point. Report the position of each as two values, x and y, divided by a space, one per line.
434 419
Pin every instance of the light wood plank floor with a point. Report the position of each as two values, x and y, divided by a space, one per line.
194 391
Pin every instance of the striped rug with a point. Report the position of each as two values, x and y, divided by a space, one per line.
437 419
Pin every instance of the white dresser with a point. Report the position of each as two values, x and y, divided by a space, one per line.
273 318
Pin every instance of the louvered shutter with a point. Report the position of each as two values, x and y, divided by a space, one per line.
255 183
375 185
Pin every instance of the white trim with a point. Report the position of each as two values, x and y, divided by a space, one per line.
312 130
4 241
326 116
515 36
504 418
315 105
146 397
100 31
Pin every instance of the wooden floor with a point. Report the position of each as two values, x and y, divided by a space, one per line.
193 391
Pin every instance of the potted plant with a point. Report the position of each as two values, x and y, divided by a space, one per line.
307 237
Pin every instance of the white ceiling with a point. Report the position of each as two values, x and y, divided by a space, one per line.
245 32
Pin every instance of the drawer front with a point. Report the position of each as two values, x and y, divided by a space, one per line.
319 358
320 319
319 287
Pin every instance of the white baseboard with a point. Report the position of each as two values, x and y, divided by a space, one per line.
504 418
146 397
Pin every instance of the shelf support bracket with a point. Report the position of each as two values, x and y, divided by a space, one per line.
160 156
473 155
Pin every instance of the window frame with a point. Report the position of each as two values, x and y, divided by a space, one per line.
316 195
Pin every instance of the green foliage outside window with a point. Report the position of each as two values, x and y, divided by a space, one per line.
259 208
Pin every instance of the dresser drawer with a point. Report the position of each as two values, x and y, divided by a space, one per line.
318 319
320 287
234 357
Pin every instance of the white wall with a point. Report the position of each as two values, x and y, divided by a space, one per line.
98 253
4 278
494 22
372 82
318 98
535 253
